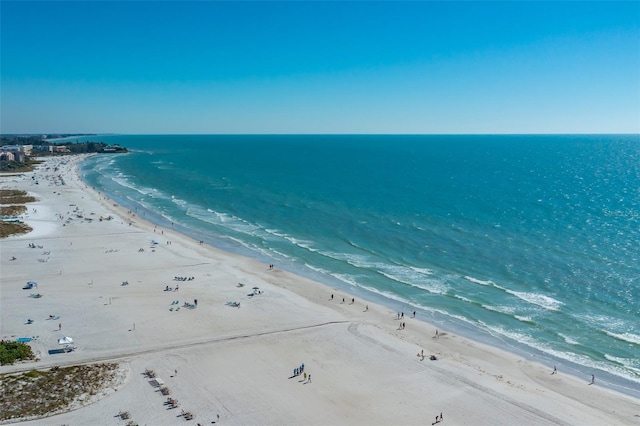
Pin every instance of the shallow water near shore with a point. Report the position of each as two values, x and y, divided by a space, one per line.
526 242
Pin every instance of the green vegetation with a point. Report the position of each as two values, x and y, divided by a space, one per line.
17 166
11 352
42 393
12 201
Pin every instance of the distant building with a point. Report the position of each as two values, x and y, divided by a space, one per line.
12 155
60 148
7 156
25 149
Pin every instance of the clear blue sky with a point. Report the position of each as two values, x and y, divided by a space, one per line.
320 67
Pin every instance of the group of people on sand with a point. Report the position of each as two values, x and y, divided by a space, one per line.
593 377
184 278
353 301
300 370
431 357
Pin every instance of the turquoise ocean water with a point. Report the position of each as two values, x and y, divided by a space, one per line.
531 243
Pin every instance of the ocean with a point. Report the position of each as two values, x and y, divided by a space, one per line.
529 243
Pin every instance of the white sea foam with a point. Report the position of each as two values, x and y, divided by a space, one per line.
317 269
280 254
464 299
417 280
424 271
179 202
305 244
538 299
346 279
523 318
602 321
389 295
509 310
477 281
569 340
630 363
455 316
582 360
627 337
358 260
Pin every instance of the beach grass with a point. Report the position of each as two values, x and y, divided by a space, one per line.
12 210
12 196
12 202
40 393
13 228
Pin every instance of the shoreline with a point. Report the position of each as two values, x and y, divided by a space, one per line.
433 317
330 335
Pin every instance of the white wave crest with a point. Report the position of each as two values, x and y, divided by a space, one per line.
630 363
569 340
477 281
508 310
538 299
627 337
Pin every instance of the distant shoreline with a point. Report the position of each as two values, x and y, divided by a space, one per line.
616 383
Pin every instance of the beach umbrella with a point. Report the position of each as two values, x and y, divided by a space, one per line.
256 288
65 340
32 283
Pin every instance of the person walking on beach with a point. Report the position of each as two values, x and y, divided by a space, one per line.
59 326
593 379
555 370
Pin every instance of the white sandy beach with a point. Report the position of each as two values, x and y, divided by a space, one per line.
237 363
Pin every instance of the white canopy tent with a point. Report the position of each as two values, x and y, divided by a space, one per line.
65 341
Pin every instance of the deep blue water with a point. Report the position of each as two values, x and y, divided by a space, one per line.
527 242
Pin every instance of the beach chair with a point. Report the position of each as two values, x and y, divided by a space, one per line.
124 415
